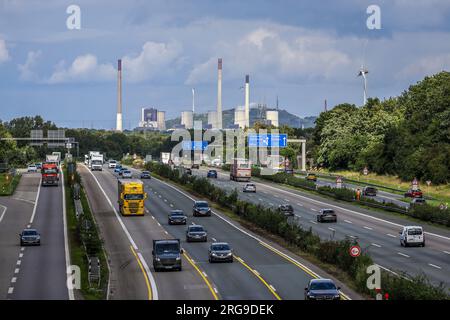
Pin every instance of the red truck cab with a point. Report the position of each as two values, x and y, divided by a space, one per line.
50 174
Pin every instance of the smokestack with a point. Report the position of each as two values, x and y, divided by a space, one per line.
219 94
119 96
247 101
326 105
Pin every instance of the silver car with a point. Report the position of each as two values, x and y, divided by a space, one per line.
127 174
220 251
30 237
196 233
249 187
326 215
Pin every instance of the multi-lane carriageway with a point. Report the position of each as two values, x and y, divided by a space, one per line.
262 270
376 231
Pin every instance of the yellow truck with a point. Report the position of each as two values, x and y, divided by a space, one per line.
131 197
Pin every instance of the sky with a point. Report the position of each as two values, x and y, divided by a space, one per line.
301 51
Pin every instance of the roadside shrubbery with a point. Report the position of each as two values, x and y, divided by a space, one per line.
328 251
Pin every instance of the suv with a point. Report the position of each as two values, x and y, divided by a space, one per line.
177 217
249 187
201 208
369 191
112 164
322 289
413 193
196 233
220 251
167 254
412 235
30 237
326 215
212 174
118 168
286 209
417 202
311 177
32 168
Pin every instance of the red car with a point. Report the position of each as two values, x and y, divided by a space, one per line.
414 193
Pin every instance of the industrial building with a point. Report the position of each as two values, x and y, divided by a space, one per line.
152 119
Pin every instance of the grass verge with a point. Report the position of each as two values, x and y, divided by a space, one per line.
8 184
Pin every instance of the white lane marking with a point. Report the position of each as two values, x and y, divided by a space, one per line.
19 262
272 287
312 209
14 280
376 245
402 254
130 239
390 235
260 199
299 204
10 290
276 196
24 200
153 217
434 266
159 196
255 271
215 290
248 234
287 200
446 252
368 228
204 273
159 224
297 215
22 249
3 213
353 237
36 201
348 221
171 205
16 270
66 239
348 210
214 239
20 255
331 229
312 221
271 204
166 232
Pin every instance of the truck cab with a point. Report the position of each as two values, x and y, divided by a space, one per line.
240 170
131 197
167 254
50 174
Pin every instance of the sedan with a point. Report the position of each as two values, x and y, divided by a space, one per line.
177 217
30 237
286 209
322 289
118 168
146 175
212 174
220 251
201 208
249 187
370 191
326 215
32 168
196 233
414 194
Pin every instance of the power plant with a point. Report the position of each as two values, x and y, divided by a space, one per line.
219 94
187 119
247 101
152 119
119 126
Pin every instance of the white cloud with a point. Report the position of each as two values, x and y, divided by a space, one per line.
155 58
426 66
26 70
84 68
4 55
276 53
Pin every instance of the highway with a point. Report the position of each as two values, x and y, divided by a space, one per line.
262 269
33 273
377 232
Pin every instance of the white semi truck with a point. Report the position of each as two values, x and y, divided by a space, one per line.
240 170
95 160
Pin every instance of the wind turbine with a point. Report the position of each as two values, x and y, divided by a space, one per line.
362 73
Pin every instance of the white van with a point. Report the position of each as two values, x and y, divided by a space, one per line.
412 235
112 164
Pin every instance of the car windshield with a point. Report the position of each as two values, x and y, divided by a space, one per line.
145 172
50 171
30 233
201 204
212 171
127 172
196 229
220 247
176 213
134 196
112 161
167 248
328 212
370 189
320 285
415 232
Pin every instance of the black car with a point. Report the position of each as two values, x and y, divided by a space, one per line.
201 208
146 175
369 191
212 174
177 217
220 251
322 289
188 171
326 215
196 233
195 166
30 237
286 209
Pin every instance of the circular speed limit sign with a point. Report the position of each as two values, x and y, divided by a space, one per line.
355 251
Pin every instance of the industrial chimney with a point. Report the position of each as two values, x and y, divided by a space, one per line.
247 101
219 95
119 96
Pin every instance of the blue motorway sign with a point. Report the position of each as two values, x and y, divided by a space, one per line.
267 140
194 145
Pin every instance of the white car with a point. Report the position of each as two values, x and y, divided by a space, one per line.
249 187
112 164
127 174
32 168
412 236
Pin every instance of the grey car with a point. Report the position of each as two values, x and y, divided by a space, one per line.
322 289
196 233
326 215
286 209
30 237
220 251
201 208
177 217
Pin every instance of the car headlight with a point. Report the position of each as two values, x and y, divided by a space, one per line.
214 254
229 254
38 238
337 296
158 259
178 258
